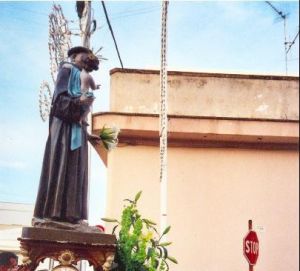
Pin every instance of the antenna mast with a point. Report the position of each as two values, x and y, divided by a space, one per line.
283 16
293 42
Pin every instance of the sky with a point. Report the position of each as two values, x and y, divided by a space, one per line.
205 36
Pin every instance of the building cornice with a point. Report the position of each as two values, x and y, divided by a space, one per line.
207 74
200 132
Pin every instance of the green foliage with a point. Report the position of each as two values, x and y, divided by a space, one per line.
139 246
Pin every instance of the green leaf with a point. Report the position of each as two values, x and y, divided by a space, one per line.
153 228
165 244
160 252
165 252
114 229
153 242
166 230
137 197
149 222
172 259
156 263
168 267
149 253
105 145
129 200
110 220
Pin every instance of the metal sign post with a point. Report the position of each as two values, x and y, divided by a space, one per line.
251 247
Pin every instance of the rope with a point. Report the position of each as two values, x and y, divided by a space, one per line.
163 118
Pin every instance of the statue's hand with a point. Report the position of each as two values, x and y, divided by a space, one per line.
86 100
94 139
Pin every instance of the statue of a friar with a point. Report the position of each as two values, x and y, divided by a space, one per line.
62 195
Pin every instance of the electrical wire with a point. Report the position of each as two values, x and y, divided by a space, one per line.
112 32
134 11
34 23
27 10
135 14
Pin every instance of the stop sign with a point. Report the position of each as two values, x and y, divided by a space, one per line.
251 247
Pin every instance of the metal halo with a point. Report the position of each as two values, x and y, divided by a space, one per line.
45 98
59 39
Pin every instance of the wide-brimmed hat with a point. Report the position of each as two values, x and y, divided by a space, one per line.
79 49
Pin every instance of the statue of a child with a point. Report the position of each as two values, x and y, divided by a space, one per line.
87 82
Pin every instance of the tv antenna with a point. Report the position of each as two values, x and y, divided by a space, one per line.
293 42
283 16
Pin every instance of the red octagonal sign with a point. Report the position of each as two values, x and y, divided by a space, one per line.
251 247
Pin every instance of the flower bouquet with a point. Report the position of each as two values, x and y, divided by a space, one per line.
109 137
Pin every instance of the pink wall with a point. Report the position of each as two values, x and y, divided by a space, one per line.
212 194
213 190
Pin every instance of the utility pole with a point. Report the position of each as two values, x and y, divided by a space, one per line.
84 11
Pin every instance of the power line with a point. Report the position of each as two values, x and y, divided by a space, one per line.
130 15
134 11
38 24
26 10
112 33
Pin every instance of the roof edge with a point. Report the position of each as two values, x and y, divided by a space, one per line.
206 74
192 117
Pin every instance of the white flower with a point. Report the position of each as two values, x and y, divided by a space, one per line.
109 137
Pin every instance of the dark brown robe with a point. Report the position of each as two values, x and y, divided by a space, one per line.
62 193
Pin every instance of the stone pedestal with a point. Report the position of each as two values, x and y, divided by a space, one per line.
67 247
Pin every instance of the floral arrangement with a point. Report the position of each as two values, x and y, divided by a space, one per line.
109 137
139 246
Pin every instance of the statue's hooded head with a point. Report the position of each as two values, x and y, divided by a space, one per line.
84 58
77 50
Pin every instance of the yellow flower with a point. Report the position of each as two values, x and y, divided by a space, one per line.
148 236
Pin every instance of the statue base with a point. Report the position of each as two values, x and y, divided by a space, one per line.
67 247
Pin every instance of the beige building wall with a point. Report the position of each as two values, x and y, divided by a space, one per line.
207 94
212 194
13 216
233 156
